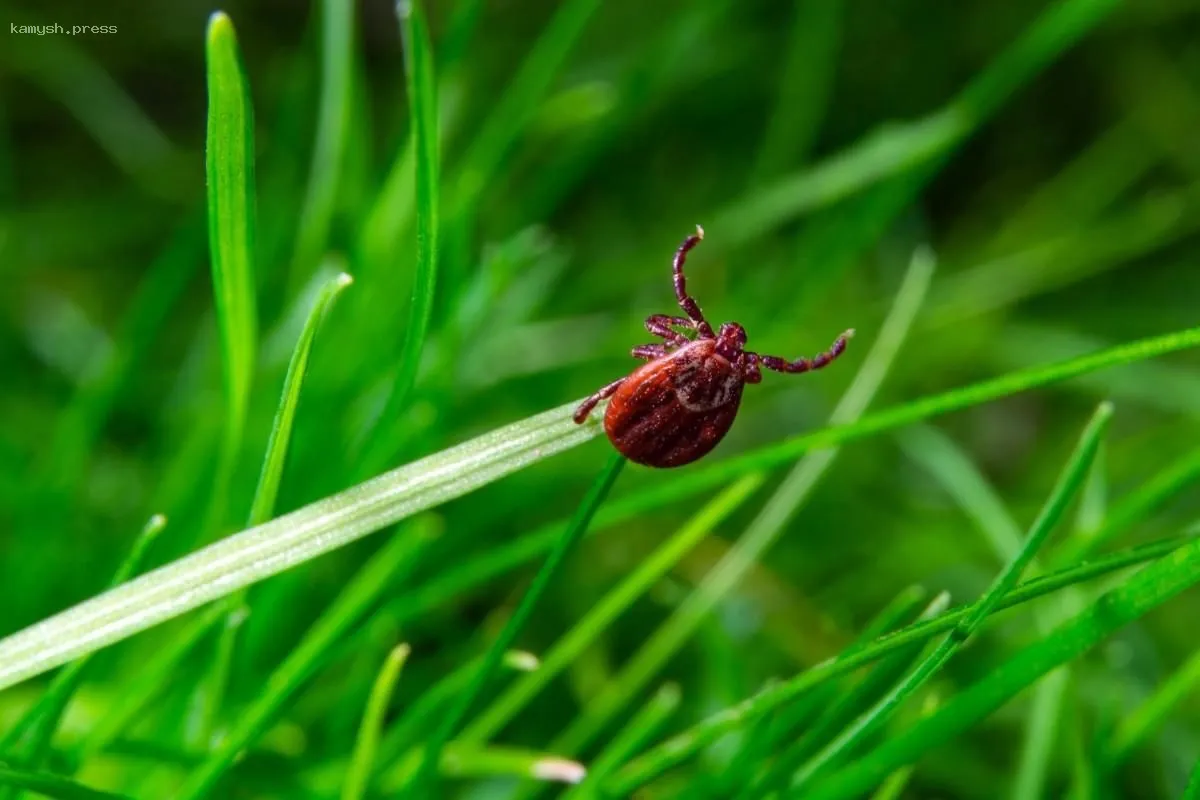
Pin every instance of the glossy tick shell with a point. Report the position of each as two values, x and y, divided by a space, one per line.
676 408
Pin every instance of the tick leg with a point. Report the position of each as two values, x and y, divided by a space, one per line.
650 351
805 364
750 369
587 405
661 325
686 301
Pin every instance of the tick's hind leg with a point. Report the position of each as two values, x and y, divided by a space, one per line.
587 405
663 325
805 364
686 301
649 352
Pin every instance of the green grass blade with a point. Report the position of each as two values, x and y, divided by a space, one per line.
1069 483
385 569
260 552
333 127
1193 788
1152 713
231 233
681 747
1141 593
585 632
1042 732
763 530
900 149
423 111
554 561
54 786
366 746
43 717
644 724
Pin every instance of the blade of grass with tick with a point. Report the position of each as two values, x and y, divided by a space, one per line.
49 785
389 566
423 112
491 721
678 748
763 530
333 126
479 681
919 145
40 722
231 229
644 724
262 508
1139 594
1069 482
366 746
338 519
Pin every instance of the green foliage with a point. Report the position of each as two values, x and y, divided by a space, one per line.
506 185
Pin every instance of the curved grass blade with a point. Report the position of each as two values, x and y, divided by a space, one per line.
231 230
1069 483
479 681
365 747
679 748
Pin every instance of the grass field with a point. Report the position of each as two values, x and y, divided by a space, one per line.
297 302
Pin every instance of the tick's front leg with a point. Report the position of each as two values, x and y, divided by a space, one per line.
805 364
587 405
663 324
686 301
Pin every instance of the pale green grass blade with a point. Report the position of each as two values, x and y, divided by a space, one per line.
1148 717
423 112
905 147
260 552
503 709
333 126
43 717
47 784
388 567
644 724
366 746
231 229
1142 592
681 747
763 531
520 617
1042 732
1068 485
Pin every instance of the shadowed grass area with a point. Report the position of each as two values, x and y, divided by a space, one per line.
390 566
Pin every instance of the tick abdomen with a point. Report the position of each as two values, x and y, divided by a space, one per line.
675 409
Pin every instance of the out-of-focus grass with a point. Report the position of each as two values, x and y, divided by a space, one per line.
1045 150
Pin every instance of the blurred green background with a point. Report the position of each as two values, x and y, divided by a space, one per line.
1059 191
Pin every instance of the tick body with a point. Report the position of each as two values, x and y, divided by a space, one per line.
678 406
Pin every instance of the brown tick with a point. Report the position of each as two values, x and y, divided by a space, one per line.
676 408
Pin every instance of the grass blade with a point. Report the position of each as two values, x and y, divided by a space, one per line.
1153 712
49 785
571 536
365 748
231 232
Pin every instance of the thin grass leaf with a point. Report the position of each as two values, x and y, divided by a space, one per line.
41 721
644 724
1193 788
479 681
1148 717
423 111
766 527
389 566
903 147
333 126
679 748
1142 592
260 552
1069 483
489 762
584 633
1041 735
358 776
231 231
54 786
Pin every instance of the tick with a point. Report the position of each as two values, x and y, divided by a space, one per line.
678 406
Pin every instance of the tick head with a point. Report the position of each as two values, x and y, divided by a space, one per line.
731 340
